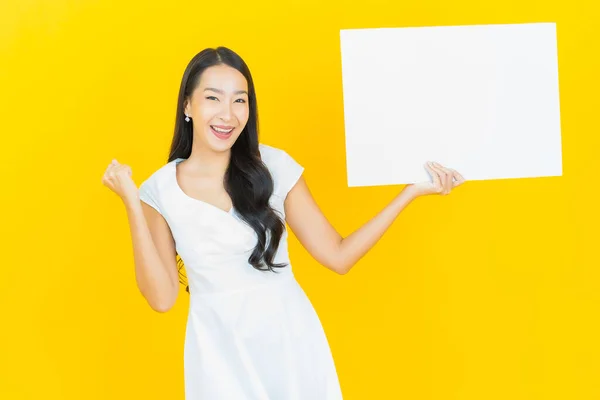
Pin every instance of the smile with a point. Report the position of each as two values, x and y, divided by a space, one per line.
221 130
221 133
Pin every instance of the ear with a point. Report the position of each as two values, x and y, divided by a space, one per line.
186 107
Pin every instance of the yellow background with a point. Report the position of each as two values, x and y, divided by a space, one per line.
490 293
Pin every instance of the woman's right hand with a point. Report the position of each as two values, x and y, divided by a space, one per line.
117 178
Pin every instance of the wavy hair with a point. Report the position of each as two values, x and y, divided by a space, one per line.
247 179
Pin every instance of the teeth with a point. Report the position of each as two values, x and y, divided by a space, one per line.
222 130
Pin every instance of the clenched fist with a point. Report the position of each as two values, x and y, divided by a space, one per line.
117 178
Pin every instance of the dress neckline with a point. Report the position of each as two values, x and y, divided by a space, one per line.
202 202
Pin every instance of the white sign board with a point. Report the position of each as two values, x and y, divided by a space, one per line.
481 99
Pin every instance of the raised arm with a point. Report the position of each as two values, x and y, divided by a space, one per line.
154 253
154 256
340 254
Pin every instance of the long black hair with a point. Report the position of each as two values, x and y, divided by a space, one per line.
247 180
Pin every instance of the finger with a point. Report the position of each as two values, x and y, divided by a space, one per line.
108 183
459 178
437 183
122 170
106 179
111 168
443 176
112 172
449 179
449 176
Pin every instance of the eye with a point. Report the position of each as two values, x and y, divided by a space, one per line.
241 100
211 97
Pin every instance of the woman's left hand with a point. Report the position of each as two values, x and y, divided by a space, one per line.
443 181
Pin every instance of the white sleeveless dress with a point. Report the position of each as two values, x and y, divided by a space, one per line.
250 335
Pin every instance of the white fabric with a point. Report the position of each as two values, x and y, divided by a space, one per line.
250 334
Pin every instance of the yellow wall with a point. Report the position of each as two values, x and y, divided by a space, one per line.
491 293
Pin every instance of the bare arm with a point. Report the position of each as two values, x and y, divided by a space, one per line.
154 256
320 238
340 254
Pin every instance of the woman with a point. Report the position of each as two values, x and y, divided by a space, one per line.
221 203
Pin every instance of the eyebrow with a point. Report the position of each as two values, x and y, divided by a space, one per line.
220 91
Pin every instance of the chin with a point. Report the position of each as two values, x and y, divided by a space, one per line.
220 145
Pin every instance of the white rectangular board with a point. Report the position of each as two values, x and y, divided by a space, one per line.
482 99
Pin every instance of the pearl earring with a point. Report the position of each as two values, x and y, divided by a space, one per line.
187 118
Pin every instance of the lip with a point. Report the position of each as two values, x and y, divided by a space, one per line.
222 136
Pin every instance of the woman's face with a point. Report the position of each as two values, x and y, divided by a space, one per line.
218 107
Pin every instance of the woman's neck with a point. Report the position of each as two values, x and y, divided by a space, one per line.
204 161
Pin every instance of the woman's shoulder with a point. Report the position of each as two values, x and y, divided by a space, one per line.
273 156
268 152
284 169
154 187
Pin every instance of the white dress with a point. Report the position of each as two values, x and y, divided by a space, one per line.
250 335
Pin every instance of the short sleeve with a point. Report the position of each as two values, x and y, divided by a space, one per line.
148 194
288 173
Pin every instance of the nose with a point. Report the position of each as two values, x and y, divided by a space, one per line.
226 113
